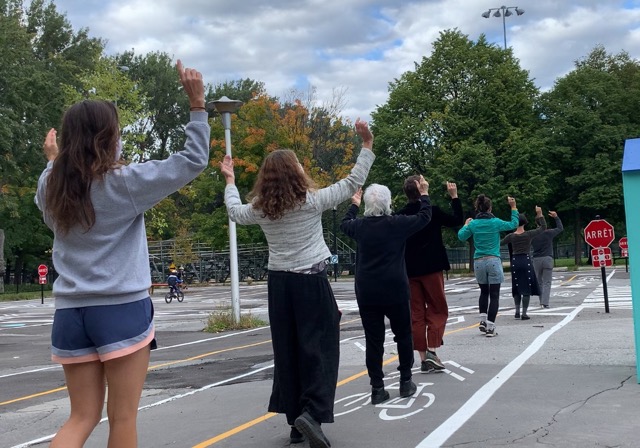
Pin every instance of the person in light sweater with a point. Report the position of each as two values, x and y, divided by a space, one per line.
94 204
303 313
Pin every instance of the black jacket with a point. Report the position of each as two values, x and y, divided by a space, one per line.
425 252
381 276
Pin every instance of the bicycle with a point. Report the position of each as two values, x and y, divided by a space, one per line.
174 293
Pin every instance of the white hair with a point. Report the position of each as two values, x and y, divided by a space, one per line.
377 200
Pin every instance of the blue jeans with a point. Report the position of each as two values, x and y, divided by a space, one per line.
488 270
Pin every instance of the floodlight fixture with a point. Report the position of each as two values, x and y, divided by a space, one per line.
504 12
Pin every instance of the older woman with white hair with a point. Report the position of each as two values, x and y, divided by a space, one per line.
381 283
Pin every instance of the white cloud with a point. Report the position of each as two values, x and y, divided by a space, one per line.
358 45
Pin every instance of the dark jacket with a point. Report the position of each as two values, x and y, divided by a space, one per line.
381 276
425 252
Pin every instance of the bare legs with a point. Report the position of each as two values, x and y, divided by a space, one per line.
86 384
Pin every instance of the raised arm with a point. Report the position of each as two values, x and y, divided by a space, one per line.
342 190
238 212
349 222
559 227
152 181
541 223
456 218
504 226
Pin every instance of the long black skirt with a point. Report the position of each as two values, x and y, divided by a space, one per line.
523 276
305 332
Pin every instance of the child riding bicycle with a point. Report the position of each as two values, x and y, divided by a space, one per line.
174 281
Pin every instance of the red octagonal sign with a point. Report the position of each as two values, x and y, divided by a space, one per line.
599 233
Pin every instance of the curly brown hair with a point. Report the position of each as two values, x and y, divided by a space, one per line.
88 144
281 185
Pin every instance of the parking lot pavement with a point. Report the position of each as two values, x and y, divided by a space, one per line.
564 378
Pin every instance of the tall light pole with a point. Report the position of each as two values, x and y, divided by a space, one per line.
225 107
504 12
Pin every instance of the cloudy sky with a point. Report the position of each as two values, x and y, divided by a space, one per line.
358 46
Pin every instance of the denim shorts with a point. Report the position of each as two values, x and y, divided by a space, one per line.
488 270
101 333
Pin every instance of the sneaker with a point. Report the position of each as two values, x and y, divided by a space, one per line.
296 436
544 306
407 388
491 332
525 317
483 326
434 361
425 367
379 395
312 431
517 316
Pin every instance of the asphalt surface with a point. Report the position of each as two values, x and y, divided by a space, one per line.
565 378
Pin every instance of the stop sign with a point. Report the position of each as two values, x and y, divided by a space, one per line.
622 242
43 270
599 233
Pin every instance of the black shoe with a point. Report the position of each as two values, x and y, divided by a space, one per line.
525 317
312 431
296 436
425 367
379 395
491 332
407 388
517 315
483 326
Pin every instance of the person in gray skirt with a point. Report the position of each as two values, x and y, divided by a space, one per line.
543 258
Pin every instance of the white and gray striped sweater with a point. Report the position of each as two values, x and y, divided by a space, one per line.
296 241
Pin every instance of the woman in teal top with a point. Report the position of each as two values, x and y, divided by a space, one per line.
485 230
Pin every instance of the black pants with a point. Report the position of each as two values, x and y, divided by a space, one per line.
305 333
490 300
399 315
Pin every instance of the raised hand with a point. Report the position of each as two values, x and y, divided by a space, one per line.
50 146
512 202
554 215
466 223
538 211
191 80
226 167
362 129
357 197
423 186
452 189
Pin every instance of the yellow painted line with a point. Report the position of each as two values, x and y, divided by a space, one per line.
155 366
39 394
204 355
564 283
235 430
247 425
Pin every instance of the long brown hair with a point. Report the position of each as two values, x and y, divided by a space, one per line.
281 186
88 144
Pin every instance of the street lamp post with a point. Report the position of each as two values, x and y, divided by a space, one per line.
504 12
225 107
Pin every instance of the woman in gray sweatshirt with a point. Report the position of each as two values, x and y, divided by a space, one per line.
103 323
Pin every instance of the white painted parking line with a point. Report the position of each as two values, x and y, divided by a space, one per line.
449 427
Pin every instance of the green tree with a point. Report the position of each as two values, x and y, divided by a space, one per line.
587 116
39 54
466 113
